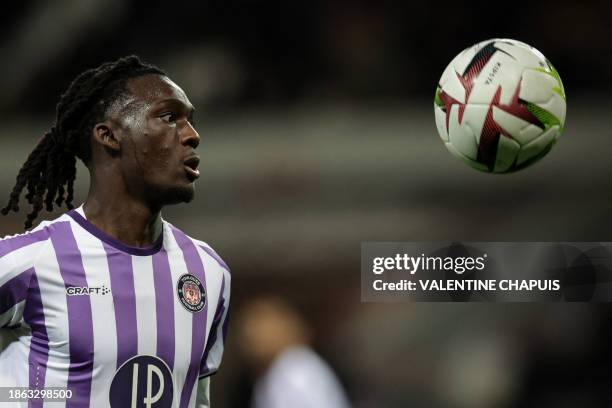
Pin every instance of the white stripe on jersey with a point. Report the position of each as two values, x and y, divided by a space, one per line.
182 337
16 262
55 308
214 282
145 304
213 295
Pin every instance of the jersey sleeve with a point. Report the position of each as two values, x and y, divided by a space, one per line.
203 396
218 331
17 258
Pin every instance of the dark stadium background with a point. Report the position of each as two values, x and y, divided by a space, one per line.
318 133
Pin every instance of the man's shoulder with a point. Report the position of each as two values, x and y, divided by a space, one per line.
204 248
42 232
212 253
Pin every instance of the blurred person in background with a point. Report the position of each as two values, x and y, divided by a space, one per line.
275 342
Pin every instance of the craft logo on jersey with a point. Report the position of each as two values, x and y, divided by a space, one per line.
87 290
191 293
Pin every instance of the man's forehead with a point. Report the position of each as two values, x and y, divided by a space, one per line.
155 88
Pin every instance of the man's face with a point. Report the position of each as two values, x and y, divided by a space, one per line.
158 141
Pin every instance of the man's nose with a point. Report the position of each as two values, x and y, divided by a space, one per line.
190 136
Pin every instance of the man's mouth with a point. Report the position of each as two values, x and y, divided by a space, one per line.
191 167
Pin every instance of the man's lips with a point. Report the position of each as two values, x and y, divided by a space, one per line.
191 166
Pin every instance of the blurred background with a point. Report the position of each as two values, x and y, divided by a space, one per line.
318 134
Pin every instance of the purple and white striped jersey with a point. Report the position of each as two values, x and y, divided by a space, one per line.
119 326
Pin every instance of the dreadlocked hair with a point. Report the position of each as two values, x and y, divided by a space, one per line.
49 172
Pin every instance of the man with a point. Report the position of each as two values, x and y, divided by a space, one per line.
109 300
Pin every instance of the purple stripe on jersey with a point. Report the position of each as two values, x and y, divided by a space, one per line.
15 290
80 326
34 316
212 338
12 244
164 307
195 266
226 322
124 299
107 239
215 256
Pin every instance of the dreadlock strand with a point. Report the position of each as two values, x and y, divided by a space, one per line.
52 176
26 173
37 203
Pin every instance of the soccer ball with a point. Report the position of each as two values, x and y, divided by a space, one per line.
500 106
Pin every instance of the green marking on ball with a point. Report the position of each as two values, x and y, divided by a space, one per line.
548 119
437 99
560 90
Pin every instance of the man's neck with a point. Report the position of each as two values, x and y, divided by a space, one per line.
128 221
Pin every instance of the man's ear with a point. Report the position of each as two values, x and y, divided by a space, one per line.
104 134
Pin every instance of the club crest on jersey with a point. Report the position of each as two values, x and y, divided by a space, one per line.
191 293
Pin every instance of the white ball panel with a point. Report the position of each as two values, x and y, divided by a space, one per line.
453 87
528 134
536 86
522 131
461 61
507 150
523 53
458 64
535 147
482 93
446 74
461 136
441 122
500 70
474 118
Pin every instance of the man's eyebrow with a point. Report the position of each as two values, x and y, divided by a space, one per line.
190 108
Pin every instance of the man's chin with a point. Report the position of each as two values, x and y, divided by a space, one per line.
177 195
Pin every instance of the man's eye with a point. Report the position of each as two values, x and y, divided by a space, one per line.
168 117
